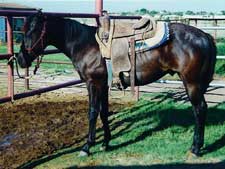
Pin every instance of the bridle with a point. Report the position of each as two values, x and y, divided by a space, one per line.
40 39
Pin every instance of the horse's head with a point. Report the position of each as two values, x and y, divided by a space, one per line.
34 40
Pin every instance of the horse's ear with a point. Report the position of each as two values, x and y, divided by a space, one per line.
45 17
39 13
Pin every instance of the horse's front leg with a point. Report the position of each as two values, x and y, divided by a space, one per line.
104 114
94 107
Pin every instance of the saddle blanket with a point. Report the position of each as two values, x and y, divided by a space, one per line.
161 36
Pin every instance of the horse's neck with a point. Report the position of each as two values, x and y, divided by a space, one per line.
69 36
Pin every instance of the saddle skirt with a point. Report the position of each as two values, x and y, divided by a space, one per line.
162 35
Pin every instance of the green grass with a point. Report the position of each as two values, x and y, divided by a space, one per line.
58 68
51 68
156 131
220 48
3 48
220 68
220 64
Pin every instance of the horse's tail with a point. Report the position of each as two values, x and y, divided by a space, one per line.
211 60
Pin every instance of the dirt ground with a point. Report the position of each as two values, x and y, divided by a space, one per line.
39 125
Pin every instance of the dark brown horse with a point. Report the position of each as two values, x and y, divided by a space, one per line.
190 53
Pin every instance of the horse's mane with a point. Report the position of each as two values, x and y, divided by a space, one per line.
71 22
71 29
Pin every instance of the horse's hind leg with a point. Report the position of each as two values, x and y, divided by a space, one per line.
104 116
200 111
195 93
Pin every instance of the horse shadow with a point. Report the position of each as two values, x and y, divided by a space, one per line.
167 118
37 162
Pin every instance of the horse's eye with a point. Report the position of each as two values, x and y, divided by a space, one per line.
32 25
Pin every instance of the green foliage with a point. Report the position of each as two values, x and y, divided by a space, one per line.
178 13
220 48
127 13
189 13
220 40
220 64
202 13
144 11
220 68
57 68
3 49
153 13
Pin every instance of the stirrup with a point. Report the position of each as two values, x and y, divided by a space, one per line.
118 84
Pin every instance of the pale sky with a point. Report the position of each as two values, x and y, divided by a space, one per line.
124 5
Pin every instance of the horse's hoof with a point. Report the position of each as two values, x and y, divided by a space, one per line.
104 147
83 154
191 155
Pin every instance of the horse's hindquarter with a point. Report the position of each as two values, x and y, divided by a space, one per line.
188 52
194 53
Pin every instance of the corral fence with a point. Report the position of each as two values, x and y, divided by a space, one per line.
9 14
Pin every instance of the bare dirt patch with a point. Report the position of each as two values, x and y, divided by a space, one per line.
39 125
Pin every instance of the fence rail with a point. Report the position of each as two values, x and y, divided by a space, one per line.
211 27
220 57
214 84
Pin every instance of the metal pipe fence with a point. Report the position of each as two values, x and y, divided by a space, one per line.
9 14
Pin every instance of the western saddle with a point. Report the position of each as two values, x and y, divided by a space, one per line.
117 39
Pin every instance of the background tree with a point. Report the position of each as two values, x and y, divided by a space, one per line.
143 11
153 12
178 13
189 13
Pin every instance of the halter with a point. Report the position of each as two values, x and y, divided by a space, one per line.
12 58
30 50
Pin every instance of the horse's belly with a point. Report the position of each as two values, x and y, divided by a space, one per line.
143 78
147 77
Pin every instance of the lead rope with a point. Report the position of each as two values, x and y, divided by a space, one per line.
13 58
37 66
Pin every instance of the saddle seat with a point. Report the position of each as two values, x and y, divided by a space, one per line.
143 29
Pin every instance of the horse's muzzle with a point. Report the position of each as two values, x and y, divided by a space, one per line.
22 61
